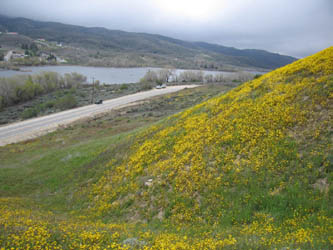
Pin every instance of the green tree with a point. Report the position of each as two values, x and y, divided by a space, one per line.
164 75
51 58
30 89
34 49
150 76
72 80
24 46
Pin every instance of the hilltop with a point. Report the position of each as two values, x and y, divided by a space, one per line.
99 45
260 154
247 169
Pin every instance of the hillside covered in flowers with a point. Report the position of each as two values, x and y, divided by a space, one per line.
250 169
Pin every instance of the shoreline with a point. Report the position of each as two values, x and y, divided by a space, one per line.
237 68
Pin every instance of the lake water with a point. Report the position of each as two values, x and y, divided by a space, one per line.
103 74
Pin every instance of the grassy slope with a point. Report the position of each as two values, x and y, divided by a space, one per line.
260 154
248 169
47 167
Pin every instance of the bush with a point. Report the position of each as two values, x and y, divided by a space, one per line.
146 86
66 102
47 105
29 113
124 86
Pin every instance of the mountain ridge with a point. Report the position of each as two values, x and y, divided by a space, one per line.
144 43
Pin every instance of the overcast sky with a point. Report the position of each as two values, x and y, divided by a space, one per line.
293 27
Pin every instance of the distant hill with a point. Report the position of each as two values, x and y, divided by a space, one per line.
14 40
158 48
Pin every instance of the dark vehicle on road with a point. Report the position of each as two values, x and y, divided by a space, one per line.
99 102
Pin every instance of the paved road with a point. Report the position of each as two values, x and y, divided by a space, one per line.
32 128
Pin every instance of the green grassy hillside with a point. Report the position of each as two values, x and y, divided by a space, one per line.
249 169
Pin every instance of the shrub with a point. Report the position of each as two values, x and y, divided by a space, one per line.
66 102
29 113
146 86
47 105
124 87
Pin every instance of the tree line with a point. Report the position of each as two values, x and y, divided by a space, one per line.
170 75
22 88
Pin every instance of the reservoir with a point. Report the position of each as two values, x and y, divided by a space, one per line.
103 74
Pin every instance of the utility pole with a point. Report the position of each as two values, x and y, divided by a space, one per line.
93 90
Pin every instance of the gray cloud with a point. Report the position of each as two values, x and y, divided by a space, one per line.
298 27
